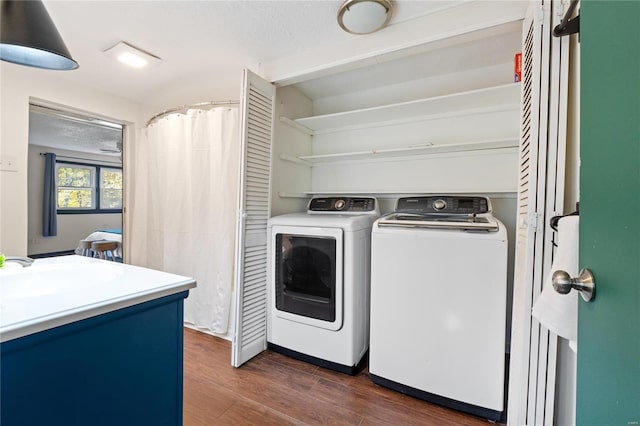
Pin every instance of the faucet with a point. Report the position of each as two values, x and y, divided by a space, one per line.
22 260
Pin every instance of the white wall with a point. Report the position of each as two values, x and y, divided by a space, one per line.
450 20
19 85
71 227
287 176
226 86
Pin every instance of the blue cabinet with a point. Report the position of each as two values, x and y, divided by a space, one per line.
120 368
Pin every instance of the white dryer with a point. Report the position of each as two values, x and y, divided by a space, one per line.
438 302
318 282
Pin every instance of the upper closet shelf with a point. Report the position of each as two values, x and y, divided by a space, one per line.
475 101
425 149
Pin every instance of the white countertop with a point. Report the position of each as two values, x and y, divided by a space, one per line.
60 290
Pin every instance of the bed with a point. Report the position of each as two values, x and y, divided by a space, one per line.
106 235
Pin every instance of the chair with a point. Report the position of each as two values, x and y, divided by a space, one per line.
104 249
85 248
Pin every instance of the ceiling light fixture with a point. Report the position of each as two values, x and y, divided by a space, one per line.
132 56
29 37
364 16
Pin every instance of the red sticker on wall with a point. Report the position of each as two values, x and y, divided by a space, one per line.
517 68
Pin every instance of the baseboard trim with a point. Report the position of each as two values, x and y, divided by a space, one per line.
52 254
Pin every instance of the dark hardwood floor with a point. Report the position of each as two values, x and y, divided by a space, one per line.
273 389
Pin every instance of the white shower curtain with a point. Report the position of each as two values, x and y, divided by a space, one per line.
183 206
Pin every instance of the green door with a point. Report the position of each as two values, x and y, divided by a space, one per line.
608 383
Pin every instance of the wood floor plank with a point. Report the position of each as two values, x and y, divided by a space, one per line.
246 412
362 377
289 398
272 385
363 383
204 402
385 408
275 389
292 363
294 378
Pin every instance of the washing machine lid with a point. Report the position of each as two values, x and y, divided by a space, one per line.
436 221
467 213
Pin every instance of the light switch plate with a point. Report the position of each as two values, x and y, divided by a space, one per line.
8 163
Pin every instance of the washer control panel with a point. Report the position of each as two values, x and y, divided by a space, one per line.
449 204
342 205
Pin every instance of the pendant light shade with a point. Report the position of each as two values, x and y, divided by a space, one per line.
29 37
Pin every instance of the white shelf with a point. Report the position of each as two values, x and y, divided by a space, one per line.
293 195
426 149
505 97
296 160
289 122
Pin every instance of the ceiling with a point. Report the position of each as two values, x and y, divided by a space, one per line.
204 45
73 132
208 42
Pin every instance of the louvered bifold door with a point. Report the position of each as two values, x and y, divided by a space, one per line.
250 337
532 375
529 244
556 127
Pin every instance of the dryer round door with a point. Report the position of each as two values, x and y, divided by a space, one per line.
306 280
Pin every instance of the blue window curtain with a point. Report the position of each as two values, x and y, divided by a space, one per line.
49 212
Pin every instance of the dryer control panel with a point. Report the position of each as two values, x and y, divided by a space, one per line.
357 205
449 204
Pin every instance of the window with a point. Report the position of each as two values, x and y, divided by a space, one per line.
76 188
111 188
86 188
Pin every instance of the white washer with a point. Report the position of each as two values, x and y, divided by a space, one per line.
318 282
438 303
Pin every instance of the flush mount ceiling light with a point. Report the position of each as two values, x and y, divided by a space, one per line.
132 56
364 16
29 37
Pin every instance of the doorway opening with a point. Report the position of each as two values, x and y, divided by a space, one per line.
83 181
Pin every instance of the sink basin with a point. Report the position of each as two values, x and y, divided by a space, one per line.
47 280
